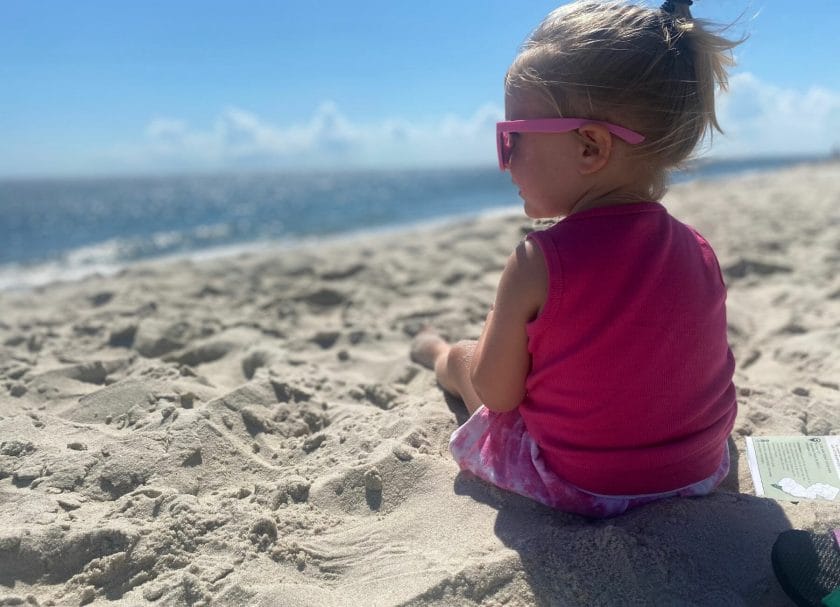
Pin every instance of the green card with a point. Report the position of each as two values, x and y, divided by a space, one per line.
795 468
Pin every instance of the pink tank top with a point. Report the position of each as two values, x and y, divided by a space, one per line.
630 389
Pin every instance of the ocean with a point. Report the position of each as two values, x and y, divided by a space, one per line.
64 229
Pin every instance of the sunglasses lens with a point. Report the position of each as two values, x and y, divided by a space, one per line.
504 149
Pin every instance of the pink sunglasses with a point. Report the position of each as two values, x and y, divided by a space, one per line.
504 144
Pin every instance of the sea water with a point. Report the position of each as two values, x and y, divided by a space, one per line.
63 229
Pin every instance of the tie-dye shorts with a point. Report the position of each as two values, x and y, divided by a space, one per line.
497 448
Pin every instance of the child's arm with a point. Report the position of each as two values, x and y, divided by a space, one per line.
501 361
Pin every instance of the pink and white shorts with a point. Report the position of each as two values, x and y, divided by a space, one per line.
497 448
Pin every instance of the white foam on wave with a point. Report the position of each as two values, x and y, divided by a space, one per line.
108 257
17 277
115 255
84 262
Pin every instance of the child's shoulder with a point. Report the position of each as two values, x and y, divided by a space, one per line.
705 246
620 217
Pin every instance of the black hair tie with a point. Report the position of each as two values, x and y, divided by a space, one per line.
670 6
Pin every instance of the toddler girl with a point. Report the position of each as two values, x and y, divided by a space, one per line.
602 379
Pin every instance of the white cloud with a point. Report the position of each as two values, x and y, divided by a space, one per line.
759 118
328 139
164 128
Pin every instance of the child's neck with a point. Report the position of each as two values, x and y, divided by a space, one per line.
623 180
612 197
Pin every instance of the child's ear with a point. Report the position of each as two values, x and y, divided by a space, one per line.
595 148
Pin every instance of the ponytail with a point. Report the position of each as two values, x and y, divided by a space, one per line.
710 54
677 8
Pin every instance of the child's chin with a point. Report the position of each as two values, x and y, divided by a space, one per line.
529 210
533 213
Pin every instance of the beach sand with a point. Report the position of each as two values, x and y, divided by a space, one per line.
251 431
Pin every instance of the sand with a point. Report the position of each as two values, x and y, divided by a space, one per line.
251 431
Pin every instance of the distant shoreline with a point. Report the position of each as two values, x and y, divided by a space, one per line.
102 258
698 165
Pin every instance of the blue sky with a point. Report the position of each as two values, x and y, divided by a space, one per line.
100 87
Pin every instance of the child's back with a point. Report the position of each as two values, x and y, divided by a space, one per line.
630 389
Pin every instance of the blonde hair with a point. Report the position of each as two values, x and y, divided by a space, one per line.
654 71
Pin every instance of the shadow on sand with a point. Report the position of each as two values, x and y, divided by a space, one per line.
712 550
